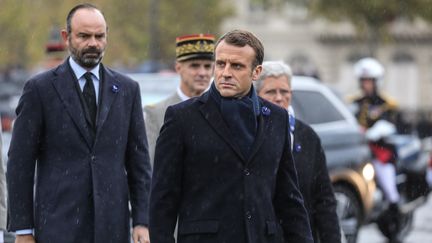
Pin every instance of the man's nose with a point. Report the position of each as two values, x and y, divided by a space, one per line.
278 95
202 71
226 71
92 41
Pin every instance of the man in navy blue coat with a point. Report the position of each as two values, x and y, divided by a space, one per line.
222 165
274 85
80 138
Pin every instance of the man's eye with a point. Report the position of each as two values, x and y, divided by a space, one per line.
236 66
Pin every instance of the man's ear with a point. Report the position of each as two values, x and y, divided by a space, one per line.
178 66
256 72
65 36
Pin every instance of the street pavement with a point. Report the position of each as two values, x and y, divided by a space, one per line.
421 232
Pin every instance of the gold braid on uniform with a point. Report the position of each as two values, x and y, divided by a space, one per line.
363 114
201 46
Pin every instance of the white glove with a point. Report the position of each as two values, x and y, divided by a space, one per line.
380 129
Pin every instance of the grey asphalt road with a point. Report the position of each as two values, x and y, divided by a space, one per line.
421 233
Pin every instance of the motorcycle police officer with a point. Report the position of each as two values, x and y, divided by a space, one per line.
377 116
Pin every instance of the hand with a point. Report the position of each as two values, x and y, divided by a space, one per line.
25 239
140 234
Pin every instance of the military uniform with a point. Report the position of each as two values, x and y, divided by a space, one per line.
188 47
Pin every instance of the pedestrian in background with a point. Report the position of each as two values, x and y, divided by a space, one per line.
79 141
194 64
223 165
55 53
274 85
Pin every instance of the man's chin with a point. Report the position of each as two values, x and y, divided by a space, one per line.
201 88
91 63
227 93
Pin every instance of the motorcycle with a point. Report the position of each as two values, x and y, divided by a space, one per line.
411 166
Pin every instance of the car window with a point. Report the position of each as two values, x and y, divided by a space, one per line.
314 108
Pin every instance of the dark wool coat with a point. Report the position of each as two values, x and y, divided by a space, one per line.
84 178
220 196
315 184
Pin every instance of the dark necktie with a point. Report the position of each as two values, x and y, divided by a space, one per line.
90 96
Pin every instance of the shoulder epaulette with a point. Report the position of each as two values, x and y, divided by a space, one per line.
391 102
353 97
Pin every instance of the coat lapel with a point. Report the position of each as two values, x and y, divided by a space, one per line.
263 124
213 116
65 83
109 90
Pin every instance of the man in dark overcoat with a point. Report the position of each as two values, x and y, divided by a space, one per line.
78 154
222 165
274 85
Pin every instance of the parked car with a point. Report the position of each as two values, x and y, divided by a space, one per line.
347 152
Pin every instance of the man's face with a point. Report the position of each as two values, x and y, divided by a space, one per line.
367 85
276 90
195 76
233 69
87 40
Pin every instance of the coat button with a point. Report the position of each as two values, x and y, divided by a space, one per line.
246 172
248 215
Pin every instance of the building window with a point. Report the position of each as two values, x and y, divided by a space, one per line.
402 57
302 65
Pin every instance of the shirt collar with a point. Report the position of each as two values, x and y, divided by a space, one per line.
182 95
80 71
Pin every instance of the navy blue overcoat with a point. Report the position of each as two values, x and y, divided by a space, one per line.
85 178
218 194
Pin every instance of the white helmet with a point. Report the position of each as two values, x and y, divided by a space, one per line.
368 68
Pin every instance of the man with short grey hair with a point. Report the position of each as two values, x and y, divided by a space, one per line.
274 84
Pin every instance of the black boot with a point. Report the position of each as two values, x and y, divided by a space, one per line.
394 223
